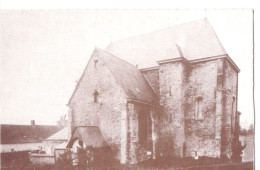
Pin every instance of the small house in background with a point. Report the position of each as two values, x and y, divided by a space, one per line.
17 141
24 137
54 140
49 144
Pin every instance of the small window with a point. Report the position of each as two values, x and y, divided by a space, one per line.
233 111
80 142
95 63
96 96
198 110
134 129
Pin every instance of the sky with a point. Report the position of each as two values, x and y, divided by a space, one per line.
43 53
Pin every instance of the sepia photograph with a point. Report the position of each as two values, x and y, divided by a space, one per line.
127 89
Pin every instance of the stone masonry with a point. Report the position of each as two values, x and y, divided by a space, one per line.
183 107
181 82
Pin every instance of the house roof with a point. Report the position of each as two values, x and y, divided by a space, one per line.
62 145
60 135
129 77
12 134
195 39
90 135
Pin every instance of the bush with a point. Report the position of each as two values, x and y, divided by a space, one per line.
65 161
86 158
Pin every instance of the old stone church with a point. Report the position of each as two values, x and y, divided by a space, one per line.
185 104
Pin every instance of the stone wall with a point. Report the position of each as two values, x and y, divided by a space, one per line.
42 159
141 132
201 82
106 112
172 136
230 107
180 84
173 129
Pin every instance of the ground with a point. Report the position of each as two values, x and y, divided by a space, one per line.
167 163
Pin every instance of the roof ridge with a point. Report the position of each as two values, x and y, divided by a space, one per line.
116 78
116 57
28 125
81 77
123 88
158 30
101 50
58 132
215 34
194 39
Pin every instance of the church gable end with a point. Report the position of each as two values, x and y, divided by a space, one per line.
98 101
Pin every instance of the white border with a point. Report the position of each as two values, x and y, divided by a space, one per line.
113 4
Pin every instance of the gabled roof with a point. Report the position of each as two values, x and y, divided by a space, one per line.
11 134
195 39
127 76
90 135
60 135
62 146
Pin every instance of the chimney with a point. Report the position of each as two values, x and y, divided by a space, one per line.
33 122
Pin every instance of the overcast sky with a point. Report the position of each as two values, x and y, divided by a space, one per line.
43 53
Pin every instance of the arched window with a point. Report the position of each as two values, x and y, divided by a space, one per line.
95 63
96 96
233 111
134 129
80 142
198 109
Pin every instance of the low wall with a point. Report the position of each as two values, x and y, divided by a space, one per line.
18 159
40 159
59 151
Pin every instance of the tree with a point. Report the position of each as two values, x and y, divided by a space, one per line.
65 161
84 157
251 130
